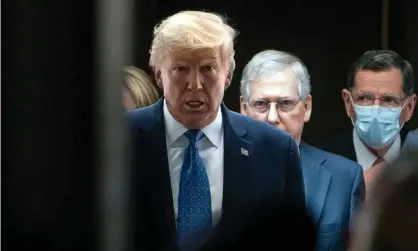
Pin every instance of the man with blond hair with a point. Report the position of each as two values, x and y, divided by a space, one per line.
206 164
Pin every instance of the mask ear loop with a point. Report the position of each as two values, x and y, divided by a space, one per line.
351 117
406 102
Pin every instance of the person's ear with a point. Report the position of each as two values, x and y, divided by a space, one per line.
346 95
408 111
158 80
228 79
308 109
243 106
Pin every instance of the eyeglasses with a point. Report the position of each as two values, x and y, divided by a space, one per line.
367 99
285 105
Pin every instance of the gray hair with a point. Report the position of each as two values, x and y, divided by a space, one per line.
270 62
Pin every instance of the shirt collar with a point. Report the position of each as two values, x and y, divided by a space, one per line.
366 158
174 129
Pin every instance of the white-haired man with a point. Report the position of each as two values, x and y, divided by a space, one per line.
275 88
198 165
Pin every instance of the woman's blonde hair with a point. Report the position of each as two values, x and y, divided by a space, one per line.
142 87
193 30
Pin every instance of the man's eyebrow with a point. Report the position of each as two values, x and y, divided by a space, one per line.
363 92
287 97
209 60
179 63
275 98
390 94
383 94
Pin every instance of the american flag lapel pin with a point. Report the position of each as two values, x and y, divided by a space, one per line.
244 152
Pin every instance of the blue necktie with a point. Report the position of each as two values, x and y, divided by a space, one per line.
194 218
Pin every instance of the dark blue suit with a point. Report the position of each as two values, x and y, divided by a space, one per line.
411 142
334 189
270 171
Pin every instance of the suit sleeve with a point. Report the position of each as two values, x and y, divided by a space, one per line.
142 227
411 142
295 192
357 194
139 228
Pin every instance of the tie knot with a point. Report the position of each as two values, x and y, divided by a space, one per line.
379 160
194 135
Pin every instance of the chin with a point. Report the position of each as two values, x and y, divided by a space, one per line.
196 120
195 124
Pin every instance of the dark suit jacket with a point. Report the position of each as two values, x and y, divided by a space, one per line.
334 189
411 142
270 171
343 145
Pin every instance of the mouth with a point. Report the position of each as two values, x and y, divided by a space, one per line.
194 104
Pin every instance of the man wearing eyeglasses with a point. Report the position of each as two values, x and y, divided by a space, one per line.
379 100
275 88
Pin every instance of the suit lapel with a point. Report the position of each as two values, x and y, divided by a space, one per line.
403 134
158 182
348 151
317 180
237 159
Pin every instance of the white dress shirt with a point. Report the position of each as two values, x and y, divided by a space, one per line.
366 158
211 150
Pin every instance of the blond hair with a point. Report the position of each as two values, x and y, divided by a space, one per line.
193 30
141 85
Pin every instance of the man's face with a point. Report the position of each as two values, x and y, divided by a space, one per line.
276 101
379 88
193 85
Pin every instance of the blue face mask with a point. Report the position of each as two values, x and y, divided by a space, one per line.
377 126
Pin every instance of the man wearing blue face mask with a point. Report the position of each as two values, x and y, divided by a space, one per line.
379 100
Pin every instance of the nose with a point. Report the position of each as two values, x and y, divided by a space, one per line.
376 101
195 81
273 116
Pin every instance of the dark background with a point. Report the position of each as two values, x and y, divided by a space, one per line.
327 35
49 93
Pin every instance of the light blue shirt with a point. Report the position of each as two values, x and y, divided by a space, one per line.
211 150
